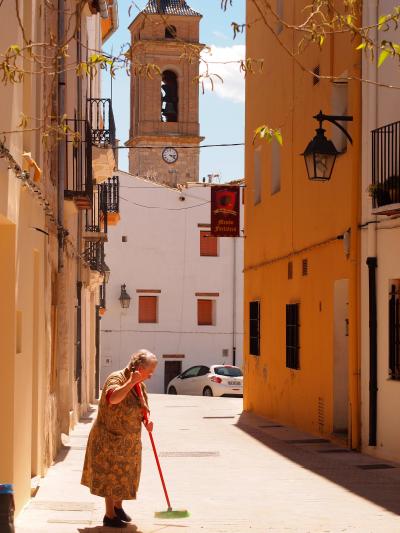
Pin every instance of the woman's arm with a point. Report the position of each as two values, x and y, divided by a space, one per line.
120 393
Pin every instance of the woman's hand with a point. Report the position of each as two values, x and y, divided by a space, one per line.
149 425
134 377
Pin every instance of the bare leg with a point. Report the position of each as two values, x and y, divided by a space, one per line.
110 507
118 504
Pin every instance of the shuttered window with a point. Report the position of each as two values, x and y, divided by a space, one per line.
208 244
292 336
205 312
254 328
148 309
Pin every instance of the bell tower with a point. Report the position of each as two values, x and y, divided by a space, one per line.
164 128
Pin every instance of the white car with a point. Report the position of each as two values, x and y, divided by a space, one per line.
217 380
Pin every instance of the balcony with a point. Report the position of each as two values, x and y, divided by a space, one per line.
385 188
101 119
96 218
111 195
78 164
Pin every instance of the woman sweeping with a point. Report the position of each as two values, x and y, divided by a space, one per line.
114 450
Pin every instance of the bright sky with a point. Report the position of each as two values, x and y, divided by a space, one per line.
221 111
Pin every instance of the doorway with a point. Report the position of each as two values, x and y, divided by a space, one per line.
171 370
341 358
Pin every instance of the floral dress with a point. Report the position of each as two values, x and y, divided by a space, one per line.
114 449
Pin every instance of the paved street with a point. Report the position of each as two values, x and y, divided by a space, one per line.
233 473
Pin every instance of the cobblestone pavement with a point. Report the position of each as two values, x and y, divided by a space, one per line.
234 473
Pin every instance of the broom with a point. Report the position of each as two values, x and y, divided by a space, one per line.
169 513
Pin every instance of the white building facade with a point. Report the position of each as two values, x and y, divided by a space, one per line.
185 307
380 249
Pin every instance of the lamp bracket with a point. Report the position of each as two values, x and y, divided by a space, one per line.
333 119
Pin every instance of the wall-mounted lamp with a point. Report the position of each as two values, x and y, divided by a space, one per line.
106 272
124 299
320 154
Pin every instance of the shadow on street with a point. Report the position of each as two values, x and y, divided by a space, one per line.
379 486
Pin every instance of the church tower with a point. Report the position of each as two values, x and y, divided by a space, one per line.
165 109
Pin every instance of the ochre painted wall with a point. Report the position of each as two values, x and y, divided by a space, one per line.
301 221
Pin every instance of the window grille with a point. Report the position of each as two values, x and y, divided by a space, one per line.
255 328
305 267
292 336
394 333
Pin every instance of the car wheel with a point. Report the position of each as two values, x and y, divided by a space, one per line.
207 391
172 390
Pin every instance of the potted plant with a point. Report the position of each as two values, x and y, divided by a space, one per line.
379 194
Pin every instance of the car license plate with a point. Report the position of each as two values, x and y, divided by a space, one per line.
234 383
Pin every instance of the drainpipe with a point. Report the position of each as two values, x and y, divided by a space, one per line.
372 262
373 350
61 144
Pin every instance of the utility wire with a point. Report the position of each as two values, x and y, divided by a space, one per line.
169 146
164 208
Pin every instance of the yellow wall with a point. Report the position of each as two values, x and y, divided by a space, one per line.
298 217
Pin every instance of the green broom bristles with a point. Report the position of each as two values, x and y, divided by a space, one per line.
183 513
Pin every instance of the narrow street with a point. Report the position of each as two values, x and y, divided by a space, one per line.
233 473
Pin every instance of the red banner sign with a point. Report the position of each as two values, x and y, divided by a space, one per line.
225 211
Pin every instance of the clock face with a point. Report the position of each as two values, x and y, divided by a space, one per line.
170 155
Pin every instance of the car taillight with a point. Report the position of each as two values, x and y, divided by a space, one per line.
216 379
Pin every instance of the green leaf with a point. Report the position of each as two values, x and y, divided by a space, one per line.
383 56
381 21
361 46
278 137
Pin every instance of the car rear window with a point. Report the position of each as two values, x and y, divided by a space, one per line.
229 371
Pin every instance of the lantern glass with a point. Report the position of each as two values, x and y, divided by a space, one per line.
320 156
125 299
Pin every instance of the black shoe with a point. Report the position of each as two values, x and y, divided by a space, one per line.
121 514
113 522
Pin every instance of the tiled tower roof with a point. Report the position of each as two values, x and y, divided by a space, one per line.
169 7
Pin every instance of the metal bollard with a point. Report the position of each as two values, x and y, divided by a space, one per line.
7 508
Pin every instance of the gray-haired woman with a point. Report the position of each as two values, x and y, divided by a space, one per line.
114 449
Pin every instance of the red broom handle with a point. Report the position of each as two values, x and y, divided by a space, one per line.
138 389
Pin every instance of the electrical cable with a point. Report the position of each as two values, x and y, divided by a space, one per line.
164 208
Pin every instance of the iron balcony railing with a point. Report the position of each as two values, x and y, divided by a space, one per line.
96 218
101 119
385 189
78 163
111 191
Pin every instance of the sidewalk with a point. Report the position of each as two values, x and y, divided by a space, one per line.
233 473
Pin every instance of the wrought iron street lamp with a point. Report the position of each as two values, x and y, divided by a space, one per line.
124 299
320 154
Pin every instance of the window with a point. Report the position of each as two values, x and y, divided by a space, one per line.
290 270
304 267
170 32
292 336
394 331
208 244
169 97
205 312
316 77
204 370
276 168
191 372
255 328
257 175
148 309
